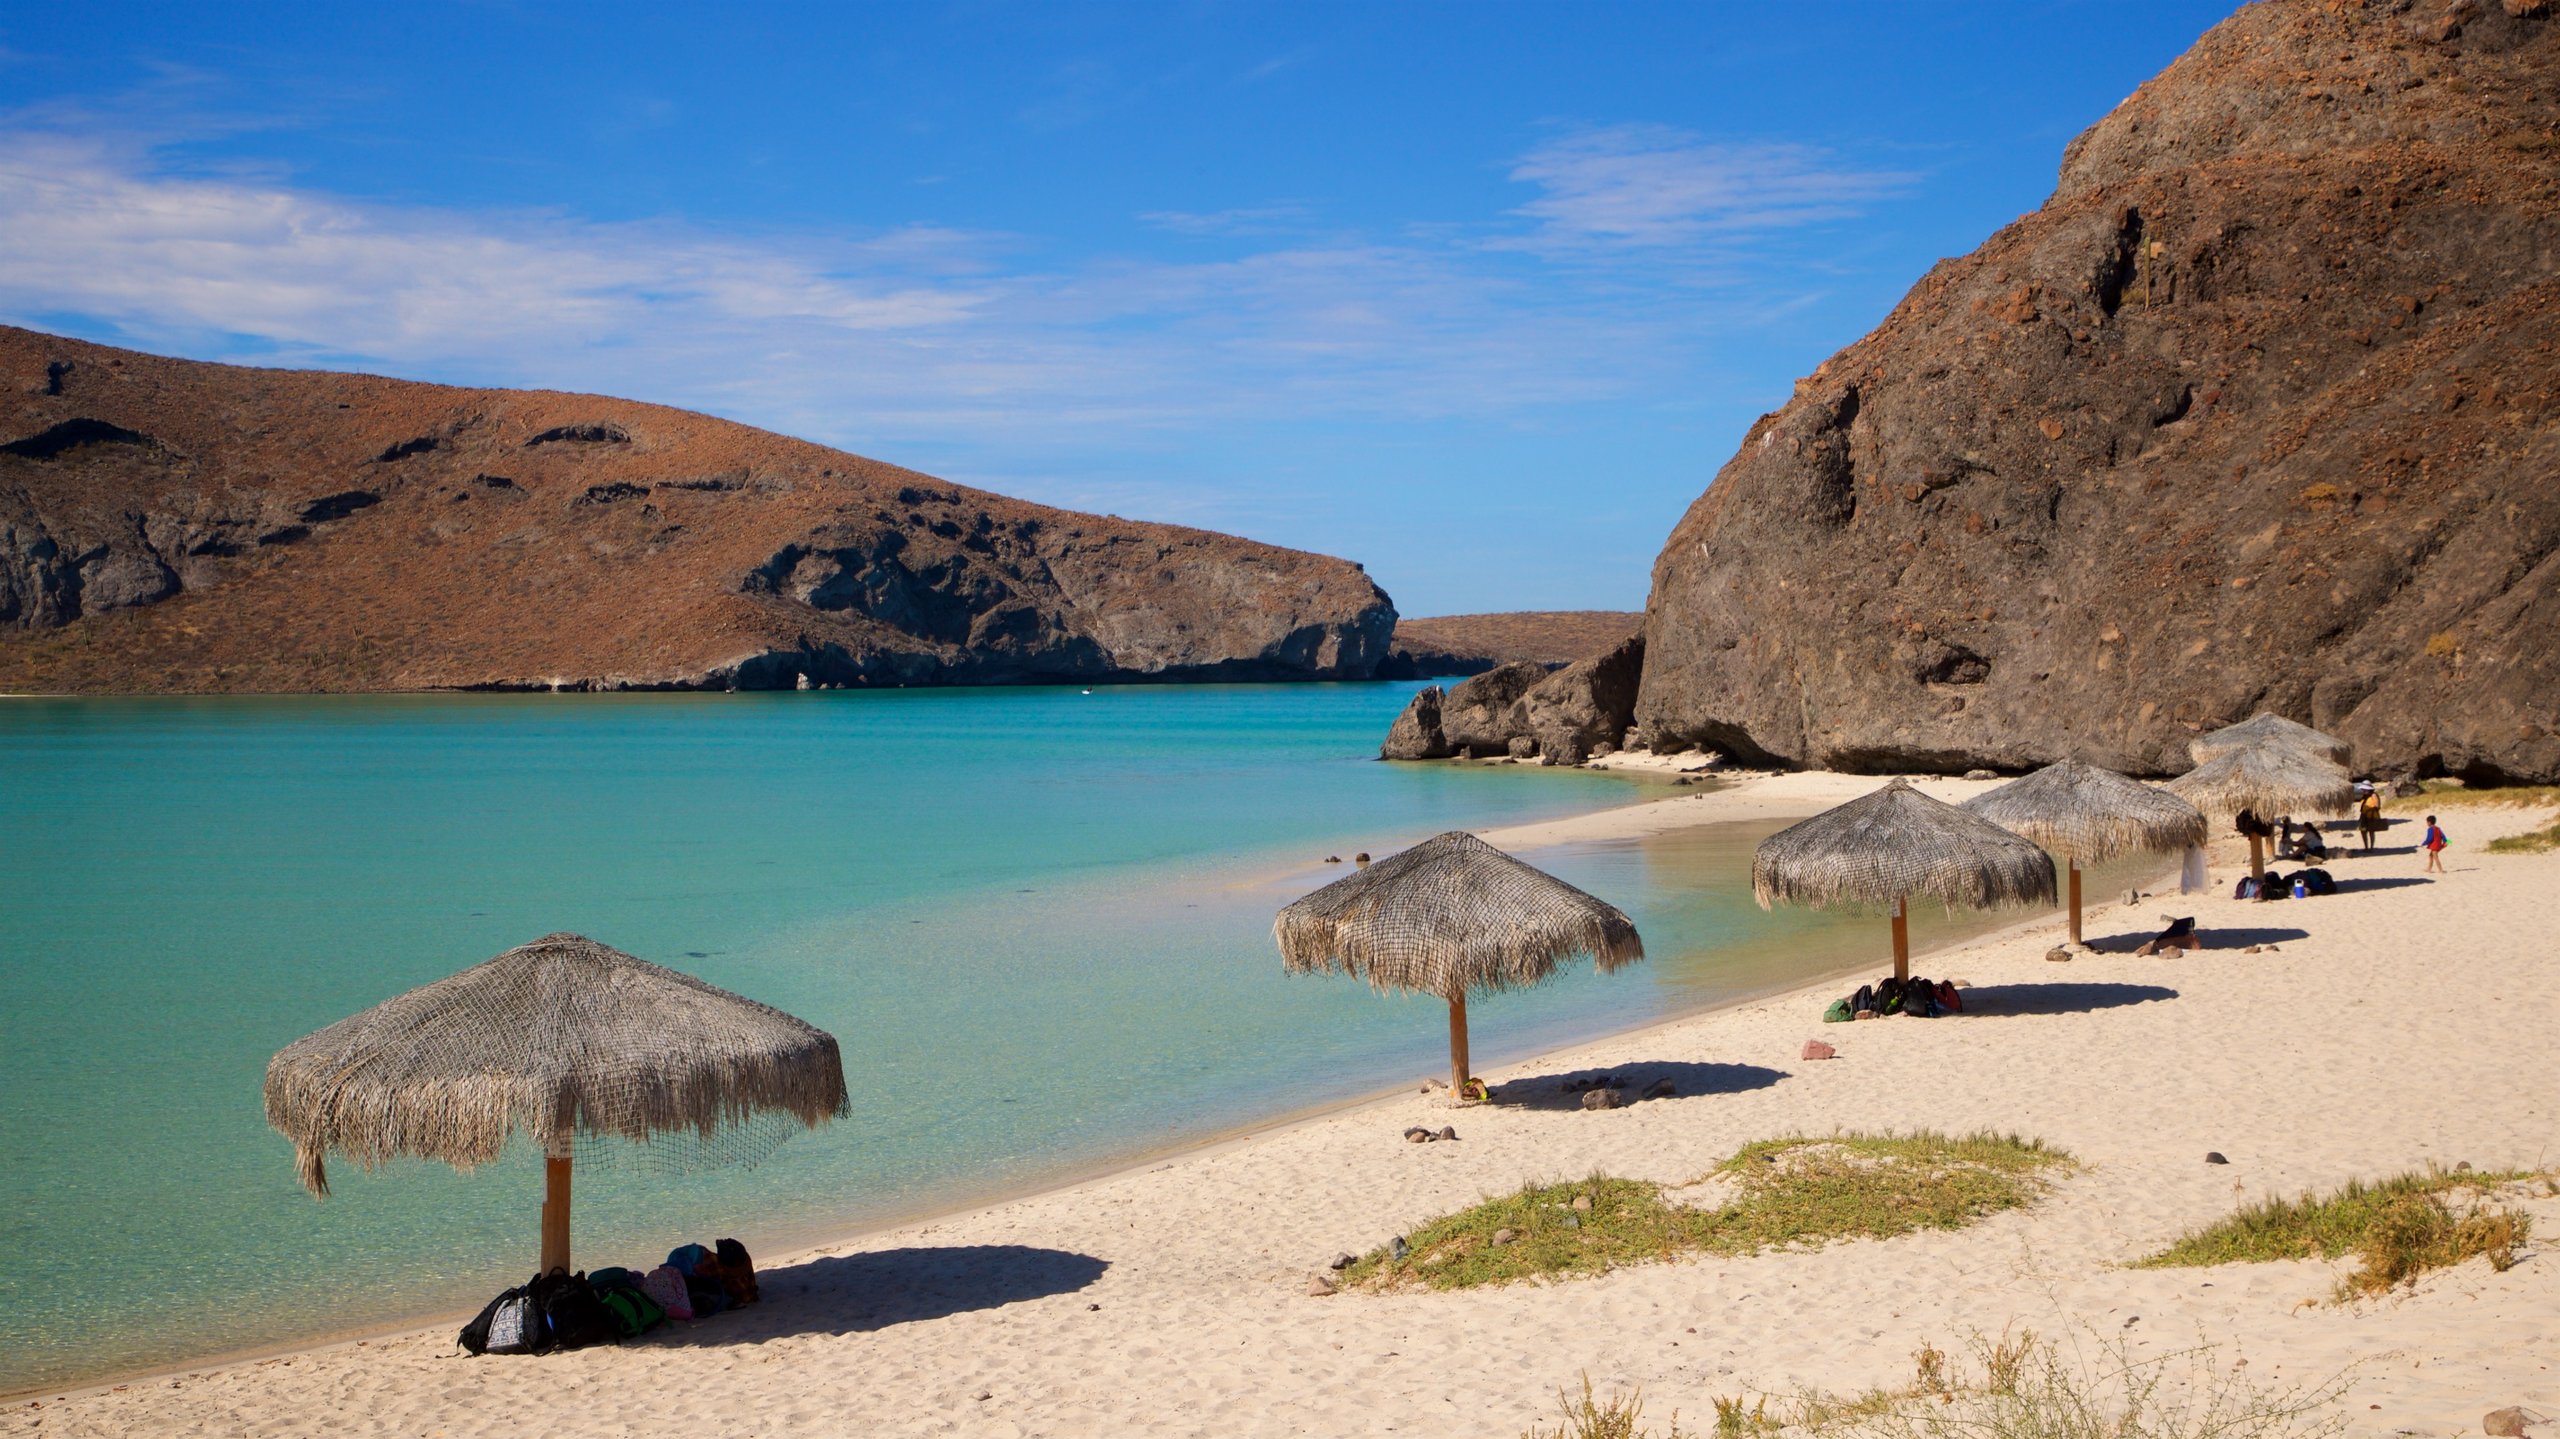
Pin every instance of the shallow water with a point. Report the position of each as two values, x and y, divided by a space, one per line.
1037 921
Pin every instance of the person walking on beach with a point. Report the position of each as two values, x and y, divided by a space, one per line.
2435 843
2368 815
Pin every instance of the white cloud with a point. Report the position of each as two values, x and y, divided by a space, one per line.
935 346
1652 185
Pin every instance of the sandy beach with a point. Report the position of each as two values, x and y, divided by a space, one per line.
2397 1024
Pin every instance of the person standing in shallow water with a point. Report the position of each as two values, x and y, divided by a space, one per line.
2435 843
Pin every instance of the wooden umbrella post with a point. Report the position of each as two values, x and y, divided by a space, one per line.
2075 900
1458 1046
1901 938
555 1212
2257 859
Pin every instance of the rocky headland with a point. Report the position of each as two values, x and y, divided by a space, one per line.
1431 646
168 525
2257 412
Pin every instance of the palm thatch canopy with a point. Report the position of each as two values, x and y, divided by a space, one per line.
557 1038
2267 779
2088 815
1450 916
1894 843
2265 728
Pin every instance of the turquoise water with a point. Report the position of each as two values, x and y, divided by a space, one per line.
1037 920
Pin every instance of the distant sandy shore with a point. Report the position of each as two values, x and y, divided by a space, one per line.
2399 1023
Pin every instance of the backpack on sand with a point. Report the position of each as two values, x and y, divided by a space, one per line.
573 1313
634 1313
737 1272
1839 1012
508 1324
667 1289
1948 999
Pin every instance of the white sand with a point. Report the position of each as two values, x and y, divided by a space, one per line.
2397 1026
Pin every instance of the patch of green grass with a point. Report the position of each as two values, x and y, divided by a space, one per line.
2023 1388
2454 795
1615 1418
1778 1193
2400 1228
2532 841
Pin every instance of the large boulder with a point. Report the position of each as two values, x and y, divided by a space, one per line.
2257 412
1587 703
1416 733
1484 713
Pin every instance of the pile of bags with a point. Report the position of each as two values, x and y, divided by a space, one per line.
1925 999
560 1310
2300 885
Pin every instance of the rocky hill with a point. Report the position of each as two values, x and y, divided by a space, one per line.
169 525
1429 646
2256 412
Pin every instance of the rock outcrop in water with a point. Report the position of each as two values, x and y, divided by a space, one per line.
2258 412
1563 716
171 525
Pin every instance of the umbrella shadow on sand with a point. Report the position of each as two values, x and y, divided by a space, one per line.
2000 1000
2216 937
2359 886
1689 1081
855 1293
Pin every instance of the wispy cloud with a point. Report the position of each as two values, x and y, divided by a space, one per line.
1244 220
1655 186
914 342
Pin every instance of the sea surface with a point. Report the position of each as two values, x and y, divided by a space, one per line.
1037 920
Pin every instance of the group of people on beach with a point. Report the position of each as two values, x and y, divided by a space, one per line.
2308 847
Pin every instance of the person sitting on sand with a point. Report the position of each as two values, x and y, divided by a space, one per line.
2434 843
2311 848
2181 934
2368 815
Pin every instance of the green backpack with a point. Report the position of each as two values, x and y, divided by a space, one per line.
1838 1013
633 1312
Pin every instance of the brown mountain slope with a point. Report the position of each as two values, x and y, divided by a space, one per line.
170 525
1429 646
2257 412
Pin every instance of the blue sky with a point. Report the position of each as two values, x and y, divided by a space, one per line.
1481 295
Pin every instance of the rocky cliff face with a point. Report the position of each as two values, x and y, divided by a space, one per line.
168 525
2258 412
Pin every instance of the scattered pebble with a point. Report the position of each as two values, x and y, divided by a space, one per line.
1661 1089
1505 1236
1582 1204
1816 1049
2214 1156
1601 1099
2059 954
2507 1423
1344 1261
1318 1286
1417 1135
1448 1131
1397 1248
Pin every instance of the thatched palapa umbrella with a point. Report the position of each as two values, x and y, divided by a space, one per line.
1893 845
2265 728
556 1039
1450 916
2082 812
2267 779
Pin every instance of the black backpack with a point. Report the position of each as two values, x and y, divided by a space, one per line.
1889 996
1863 1001
2317 881
573 1313
1920 998
512 1323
